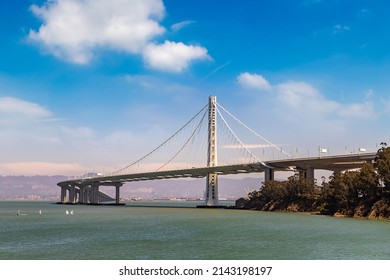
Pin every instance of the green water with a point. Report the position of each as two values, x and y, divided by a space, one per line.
172 232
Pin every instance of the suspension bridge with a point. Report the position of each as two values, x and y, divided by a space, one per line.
212 143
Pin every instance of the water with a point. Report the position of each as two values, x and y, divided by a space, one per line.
179 231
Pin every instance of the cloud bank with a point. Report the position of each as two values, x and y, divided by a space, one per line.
302 97
75 31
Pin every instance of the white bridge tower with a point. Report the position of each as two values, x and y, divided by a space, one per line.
211 198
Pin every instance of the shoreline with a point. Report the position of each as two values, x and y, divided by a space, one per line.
336 215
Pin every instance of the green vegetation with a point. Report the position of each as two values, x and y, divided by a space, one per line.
362 193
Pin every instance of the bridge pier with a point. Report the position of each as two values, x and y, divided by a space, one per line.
117 192
84 197
72 194
212 190
269 175
95 193
307 174
82 194
63 194
87 194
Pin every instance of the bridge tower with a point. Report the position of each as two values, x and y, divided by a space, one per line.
211 198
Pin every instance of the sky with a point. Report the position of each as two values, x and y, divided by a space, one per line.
92 85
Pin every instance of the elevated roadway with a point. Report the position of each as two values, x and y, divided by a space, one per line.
87 189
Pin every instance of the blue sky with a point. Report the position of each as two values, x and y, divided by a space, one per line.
92 85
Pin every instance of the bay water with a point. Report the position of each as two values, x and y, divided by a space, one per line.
177 230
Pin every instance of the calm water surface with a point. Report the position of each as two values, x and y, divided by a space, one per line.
177 230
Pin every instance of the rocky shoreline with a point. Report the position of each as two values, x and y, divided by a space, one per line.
378 211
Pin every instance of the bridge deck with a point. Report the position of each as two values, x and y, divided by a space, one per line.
332 163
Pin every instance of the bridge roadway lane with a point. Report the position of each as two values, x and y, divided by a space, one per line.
332 163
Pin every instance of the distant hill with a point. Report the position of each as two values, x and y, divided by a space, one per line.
45 187
30 187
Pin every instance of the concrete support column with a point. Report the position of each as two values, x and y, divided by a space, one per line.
91 195
77 195
82 195
95 193
307 174
310 173
88 198
117 192
86 195
269 175
63 194
212 190
72 194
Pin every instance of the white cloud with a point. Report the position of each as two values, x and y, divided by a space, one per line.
301 95
300 98
10 105
180 25
294 93
172 56
73 30
340 28
14 111
357 110
253 81
306 98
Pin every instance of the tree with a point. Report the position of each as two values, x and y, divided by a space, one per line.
272 194
382 165
339 194
367 182
301 191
